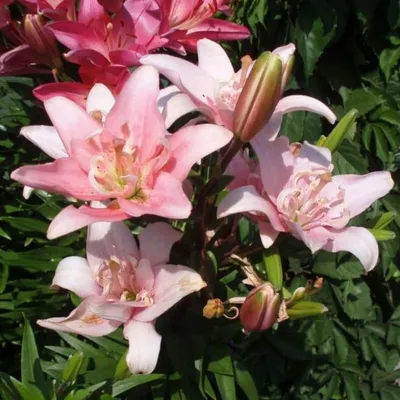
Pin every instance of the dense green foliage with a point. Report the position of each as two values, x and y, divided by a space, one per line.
348 56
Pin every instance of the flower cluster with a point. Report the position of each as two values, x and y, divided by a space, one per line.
113 152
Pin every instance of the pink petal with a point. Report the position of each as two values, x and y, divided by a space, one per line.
144 346
284 52
71 219
178 106
90 10
82 321
305 103
191 144
27 192
238 168
247 199
188 77
76 36
276 163
166 199
172 283
70 120
363 190
214 60
144 274
156 241
100 98
62 176
109 239
358 241
77 92
271 129
268 234
88 57
46 138
136 108
315 154
75 275
315 239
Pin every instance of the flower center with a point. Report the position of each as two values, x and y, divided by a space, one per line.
309 202
228 92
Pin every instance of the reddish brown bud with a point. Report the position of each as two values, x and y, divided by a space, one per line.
261 309
41 40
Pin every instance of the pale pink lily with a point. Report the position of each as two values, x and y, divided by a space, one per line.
121 284
297 193
122 155
214 87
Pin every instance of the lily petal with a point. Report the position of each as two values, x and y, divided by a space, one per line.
363 190
276 163
71 219
109 239
136 109
144 346
74 274
46 138
70 120
247 199
186 76
358 241
166 199
191 144
305 103
172 283
214 60
156 241
100 98
82 321
56 177
268 234
315 154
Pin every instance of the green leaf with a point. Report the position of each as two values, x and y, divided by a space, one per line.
331 388
351 385
226 386
134 381
363 100
341 344
86 349
31 371
383 220
26 224
379 351
388 59
302 125
348 159
245 381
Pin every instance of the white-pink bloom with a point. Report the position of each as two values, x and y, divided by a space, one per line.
293 190
123 284
214 87
117 151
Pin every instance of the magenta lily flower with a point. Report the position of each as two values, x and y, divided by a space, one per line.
185 22
104 40
118 153
296 192
120 284
216 87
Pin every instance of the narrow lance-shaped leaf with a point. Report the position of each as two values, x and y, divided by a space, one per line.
273 267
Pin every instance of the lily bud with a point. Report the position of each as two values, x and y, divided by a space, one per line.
303 309
41 40
287 72
213 309
259 97
261 309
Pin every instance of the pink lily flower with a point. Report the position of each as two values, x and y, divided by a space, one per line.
120 284
53 9
118 153
295 192
214 87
